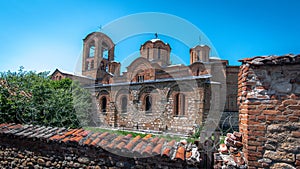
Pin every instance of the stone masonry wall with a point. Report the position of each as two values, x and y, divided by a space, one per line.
269 111
161 117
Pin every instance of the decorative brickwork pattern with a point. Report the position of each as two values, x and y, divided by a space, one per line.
269 111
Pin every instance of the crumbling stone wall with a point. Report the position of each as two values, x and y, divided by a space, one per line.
269 111
28 146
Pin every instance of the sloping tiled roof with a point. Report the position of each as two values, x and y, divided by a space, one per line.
118 144
272 59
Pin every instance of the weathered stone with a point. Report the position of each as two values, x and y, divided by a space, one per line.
76 165
29 164
283 87
282 165
265 160
270 147
83 160
279 156
41 161
290 147
275 128
298 156
20 155
48 163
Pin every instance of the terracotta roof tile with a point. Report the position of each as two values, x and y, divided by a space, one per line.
166 152
157 149
155 140
95 141
147 150
171 143
120 145
3 125
101 136
15 126
161 140
77 132
180 154
132 143
114 142
76 139
85 133
137 146
89 138
188 154
105 142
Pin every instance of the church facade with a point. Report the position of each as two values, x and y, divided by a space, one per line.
153 94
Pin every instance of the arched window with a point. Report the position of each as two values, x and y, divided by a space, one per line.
124 104
103 104
92 51
198 72
102 65
148 53
158 53
92 64
140 78
198 55
179 100
104 50
86 65
148 103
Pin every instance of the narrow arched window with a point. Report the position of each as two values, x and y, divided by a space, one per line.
148 53
103 104
179 104
158 53
86 65
92 64
92 51
124 104
148 103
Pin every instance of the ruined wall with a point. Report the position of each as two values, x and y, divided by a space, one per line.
28 146
269 111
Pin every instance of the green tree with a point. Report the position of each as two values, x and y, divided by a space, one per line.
33 98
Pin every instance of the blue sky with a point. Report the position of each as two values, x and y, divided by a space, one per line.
43 35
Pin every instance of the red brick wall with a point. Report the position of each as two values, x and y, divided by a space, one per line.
269 111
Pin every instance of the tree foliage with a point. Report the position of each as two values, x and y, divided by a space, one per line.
33 98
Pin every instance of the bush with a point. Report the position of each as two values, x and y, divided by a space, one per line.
33 98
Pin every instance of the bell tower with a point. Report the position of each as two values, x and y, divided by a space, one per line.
98 55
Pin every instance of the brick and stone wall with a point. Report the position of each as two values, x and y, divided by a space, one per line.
162 115
269 111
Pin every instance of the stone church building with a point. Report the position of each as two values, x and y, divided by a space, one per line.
153 94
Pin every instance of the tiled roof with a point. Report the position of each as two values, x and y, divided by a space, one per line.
122 145
272 59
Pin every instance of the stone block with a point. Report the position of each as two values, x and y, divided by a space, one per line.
282 165
279 156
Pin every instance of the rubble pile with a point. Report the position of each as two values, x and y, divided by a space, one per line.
230 155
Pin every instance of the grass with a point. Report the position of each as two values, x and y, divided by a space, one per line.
134 134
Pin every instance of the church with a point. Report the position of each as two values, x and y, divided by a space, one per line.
153 94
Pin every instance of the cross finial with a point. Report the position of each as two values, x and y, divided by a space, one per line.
199 39
100 28
156 35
